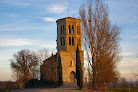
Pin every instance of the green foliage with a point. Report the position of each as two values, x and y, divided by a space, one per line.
60 80
79 72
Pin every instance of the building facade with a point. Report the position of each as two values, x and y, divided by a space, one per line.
68 38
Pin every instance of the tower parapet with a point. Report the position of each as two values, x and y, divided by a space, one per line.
68 34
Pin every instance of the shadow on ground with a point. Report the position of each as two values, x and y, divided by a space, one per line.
66 87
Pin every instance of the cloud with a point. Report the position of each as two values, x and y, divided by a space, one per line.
47 44
49 19
15 25
129 64
7 41
56 8
128 53
15 42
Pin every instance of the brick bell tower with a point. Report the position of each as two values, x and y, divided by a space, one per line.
68 38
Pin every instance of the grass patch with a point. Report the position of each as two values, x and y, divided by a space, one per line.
123 89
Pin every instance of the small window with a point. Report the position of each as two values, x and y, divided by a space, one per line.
69 40
61 40
61 29
64 29
69 30
72 40
72 29
71 63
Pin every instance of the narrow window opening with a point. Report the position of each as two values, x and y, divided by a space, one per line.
61 29
72 40
69 40
69 30
71 63
72 29
61 41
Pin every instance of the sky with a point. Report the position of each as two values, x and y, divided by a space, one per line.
31 24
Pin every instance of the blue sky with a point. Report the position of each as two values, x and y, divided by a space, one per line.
31 24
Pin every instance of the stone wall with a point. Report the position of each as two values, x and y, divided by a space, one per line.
49 69
68 61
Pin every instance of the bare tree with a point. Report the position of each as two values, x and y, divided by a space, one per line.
43 54
136 73
24 65
136 83
100 39
123 82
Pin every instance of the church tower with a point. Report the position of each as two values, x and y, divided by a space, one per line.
68 38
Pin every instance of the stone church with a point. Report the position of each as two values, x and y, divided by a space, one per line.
68 38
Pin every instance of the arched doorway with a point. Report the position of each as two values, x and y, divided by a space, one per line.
72 77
